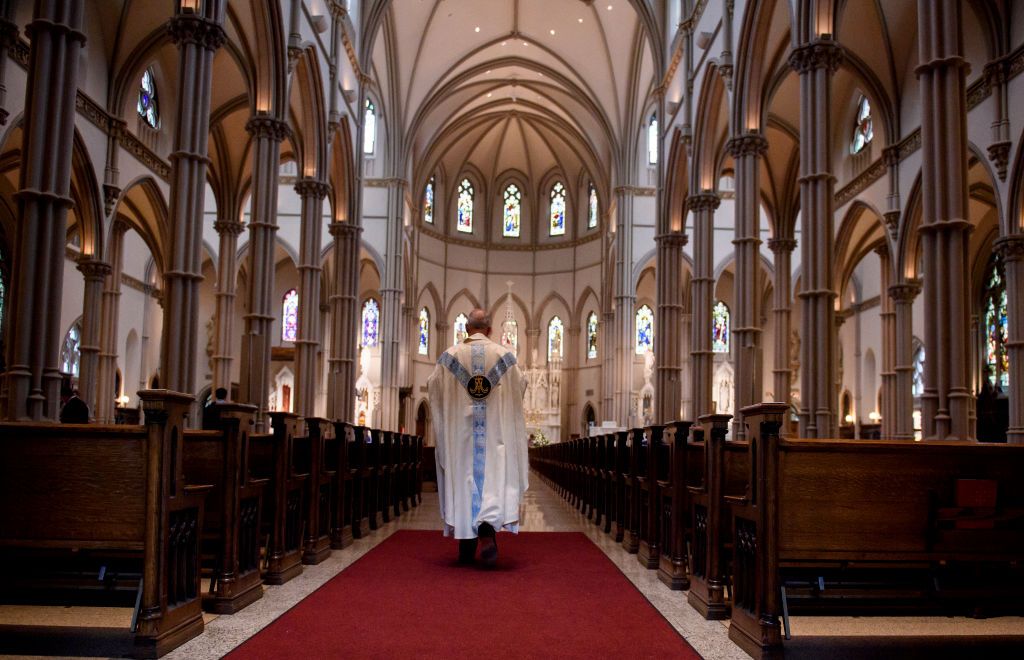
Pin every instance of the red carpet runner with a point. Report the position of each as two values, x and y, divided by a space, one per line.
551 595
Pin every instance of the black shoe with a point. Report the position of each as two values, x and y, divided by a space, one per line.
467 550
488 545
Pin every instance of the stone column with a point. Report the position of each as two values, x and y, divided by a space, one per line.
198 36
307 344
903 398
747 150
686 410
996 74
607 343
1012 250
702 289
888 313
782 377
95 272
570 372
816 63
668 338
227 280
625 297
341 382
111 311
391 308
267 133
44 196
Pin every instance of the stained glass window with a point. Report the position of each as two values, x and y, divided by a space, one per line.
510 335
424 346
918 386
720 328
460 328
512 212
428 202
592 206
592 336
993 300
70 352
557 209
147 105
465 209
369 127
644 330
652 141
371 324
863 131
290 316
555 336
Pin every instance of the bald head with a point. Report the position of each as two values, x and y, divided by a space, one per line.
478 321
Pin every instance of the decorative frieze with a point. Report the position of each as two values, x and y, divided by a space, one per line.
873 173
639 191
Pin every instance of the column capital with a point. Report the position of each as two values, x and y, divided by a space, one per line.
891 155
8 33
228 227
310 187
780 245
337 8
882 250
905 292
705 201
342 229
995 72
822 53
1010 248
751 143
92 268
265 126
672 239
198 30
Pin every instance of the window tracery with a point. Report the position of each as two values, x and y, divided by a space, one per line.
555 336
644 330
652 141
70 352
465 207
424 343
557 209
720 328
863 127
994 308
592 336
460 328
512 212
428 202
369 128
371 324
290 316
592 208
147 104
510 335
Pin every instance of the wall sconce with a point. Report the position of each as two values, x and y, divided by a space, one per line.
874 416
122 400
849 419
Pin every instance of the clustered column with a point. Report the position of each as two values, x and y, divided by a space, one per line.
344 325
198 36
608 343
111 311
227 278
903 399
94 271
267 132
1011 248
391 308
668 340
782 377
703 206
888 316
625 298
816 63
33 375
307 343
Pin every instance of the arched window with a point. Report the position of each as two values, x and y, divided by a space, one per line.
644 330
371 323
652 141
592 208
290 316
720 328
555 336
147 105
369 128
917 389
863 131
424 345
592 336
70 352
460 328
465 208
557 209
510 335
428 202
993 307
512 212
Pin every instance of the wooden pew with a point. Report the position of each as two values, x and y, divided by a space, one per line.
231 524
836 507
672 498
320 443
653 454
338 460
74 496
621 460
631 476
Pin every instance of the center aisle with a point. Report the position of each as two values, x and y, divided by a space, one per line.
552 595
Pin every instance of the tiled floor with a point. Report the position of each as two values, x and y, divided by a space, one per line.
543 511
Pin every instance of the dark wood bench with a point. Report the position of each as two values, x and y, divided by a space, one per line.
109 507
653 454
320 486
672 501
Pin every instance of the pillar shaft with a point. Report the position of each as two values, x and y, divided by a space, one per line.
110 319
903 398
625 297
702 301
307 344
888 315
44 196
341 381
391 308
608 342
816 62
1012 250
94 272
668 338
267 133
198 36
782 302
224 319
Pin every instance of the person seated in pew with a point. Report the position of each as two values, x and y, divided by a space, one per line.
482 471
74 411
220 395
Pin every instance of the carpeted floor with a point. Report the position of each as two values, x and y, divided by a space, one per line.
552 595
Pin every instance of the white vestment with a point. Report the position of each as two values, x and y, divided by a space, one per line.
482 463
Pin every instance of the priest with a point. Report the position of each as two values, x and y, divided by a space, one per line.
476 396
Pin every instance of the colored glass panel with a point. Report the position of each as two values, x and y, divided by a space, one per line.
512 212
70 352
863 128
290 316
371 324
997 357
917 389
652 141
510 335
720 328
147 105
424 344
465 207
557 209
592 206
428 202
460 328
592 336
369 127
556 332
644 330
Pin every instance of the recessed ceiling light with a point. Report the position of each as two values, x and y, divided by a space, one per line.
609 7
552 31
488 72
579 20
477 29
526 43
488 95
